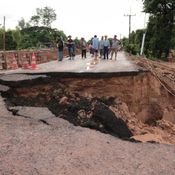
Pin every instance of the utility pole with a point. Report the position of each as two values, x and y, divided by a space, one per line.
5 59
4 35
129 15
143 38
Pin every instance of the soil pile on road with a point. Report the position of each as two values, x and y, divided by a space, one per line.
163 71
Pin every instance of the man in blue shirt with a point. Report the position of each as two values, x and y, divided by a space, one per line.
95 46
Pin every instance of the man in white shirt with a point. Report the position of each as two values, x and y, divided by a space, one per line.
106 47
101 46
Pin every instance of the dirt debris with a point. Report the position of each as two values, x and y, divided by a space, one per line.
128 112
163 71
51 145
144 102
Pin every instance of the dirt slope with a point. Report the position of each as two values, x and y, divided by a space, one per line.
53 146
164 71
164 131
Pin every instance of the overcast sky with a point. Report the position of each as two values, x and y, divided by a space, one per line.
79 18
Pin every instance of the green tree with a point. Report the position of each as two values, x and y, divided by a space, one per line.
27 36
135 42
1 38
35 20
77 42
9 41
160 27
45 16
22 24
36 36
16 34
173 39
30 37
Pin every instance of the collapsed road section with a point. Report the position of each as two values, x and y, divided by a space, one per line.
132 107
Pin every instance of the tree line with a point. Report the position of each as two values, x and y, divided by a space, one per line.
35 33
160 31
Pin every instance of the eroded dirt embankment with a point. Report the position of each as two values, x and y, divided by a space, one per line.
129 106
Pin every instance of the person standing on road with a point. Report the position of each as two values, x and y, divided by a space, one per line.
83 48
101 47
115 47
60 46
91 49
106 47
71 47
95 46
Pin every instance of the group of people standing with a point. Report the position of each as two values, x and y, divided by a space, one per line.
103 46
70 45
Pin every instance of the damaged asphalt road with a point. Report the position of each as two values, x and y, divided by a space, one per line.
37 139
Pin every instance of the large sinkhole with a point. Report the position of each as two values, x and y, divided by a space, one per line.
122 106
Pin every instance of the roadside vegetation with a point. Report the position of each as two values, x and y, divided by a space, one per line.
35 33
160 31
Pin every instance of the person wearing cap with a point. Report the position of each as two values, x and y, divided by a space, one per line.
115 47
70 46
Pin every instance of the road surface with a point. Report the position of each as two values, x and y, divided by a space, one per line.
78 65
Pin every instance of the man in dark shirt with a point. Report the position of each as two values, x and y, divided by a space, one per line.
60 46
83 47
71 47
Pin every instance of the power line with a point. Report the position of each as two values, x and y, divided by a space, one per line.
129 15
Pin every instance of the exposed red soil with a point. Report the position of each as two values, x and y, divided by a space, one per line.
30 147
54 146
141 101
